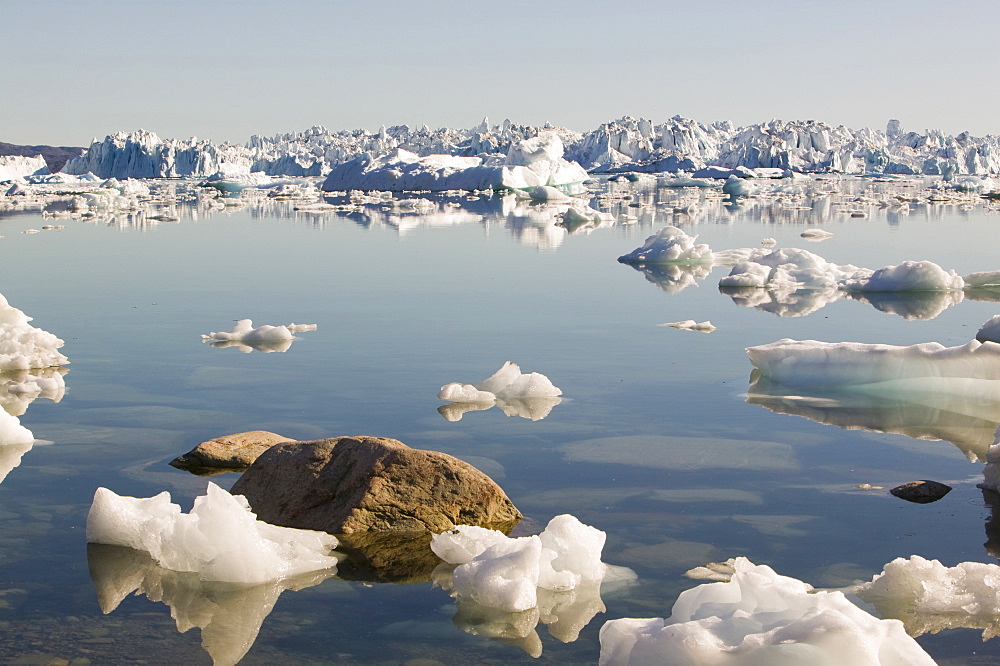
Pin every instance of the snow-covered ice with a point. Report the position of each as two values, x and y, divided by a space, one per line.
759 617
220 538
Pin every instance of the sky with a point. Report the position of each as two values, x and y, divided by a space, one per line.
225 70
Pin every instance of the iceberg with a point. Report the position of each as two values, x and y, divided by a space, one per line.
530 164
907 276
17 167
220 539
24 347
759 617
670 245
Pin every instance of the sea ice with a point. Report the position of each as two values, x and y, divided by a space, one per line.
907 276
990 331
500 572
692 325
530 395
15 441
263 338
787 267
738 187
929 597
24 347
670 245
759 617
220 538
971 369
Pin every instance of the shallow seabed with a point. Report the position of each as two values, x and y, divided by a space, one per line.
654 442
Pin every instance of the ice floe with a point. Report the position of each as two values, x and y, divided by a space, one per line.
670 245
929 597
505 572
220 538
24 347
759 617
265 338
529 395
692 325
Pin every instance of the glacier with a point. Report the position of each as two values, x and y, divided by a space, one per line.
678 145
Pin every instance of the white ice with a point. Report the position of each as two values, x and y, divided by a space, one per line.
929 597
220 538
907 276
264 338
530 395
692 325
990 331
15 441
24 347
502 572
670 245
972 369
759 617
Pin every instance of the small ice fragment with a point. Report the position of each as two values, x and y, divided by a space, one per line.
816 234
692 325
768 242
455 392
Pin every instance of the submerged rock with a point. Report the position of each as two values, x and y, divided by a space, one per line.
237 451
371 484
921 492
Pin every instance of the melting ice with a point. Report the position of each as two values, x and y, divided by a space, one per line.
220 538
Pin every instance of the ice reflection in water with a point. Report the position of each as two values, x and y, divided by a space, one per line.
229 615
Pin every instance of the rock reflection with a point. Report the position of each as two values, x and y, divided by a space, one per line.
968 425
564 614
229 615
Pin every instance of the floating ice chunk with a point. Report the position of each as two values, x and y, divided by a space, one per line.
24 347
505 573
220 538
971 369
928 596
527 386
455 392
788 267
670 245
759 617
738 187
263 338
547 193
816 234
768 242
15 441
990 331
982 279
907 276
500 379
991 470
692 325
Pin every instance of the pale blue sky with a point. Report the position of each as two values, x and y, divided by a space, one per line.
225 70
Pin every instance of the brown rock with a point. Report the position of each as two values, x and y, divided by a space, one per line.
921 492
231 451
371 484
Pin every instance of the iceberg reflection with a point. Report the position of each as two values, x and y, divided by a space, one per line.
229 615
970 427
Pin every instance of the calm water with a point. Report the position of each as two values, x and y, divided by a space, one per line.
655 442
